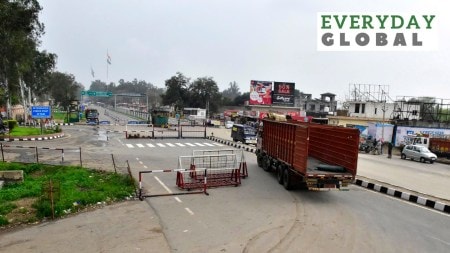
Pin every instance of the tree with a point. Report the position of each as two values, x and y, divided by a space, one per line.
232 92
63 88
204 93
176 91
20 61
240 100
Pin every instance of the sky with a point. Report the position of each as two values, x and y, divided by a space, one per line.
239 40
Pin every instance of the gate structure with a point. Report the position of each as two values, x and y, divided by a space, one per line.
207 170
239 157
139 131
150 131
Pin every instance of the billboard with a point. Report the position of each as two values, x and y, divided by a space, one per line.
283 94
260 93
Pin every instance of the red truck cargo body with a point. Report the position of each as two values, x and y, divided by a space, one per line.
440 146
294 142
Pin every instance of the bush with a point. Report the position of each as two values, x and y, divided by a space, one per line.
11 124
3 221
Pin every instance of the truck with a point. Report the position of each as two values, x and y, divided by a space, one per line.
91 116
309 155
440 146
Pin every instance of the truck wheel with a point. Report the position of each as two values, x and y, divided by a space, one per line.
287 179
280 170
259 159
266 163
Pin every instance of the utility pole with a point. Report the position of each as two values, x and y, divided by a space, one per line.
384 114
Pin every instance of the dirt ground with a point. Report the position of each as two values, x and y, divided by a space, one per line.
129 226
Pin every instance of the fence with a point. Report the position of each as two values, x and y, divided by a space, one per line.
59 156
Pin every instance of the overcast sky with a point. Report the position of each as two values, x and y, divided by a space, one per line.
237 40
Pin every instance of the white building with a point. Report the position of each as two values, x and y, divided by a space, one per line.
371 109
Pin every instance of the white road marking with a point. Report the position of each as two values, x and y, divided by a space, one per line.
163 185
140 145
145 167
190 144
150 145
170 145
161 145
439 240
208 144
178 200
199 144
179 144
218 144
130 145
189 210
141 162
137 158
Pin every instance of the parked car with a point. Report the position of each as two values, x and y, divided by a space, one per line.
229 124
418 153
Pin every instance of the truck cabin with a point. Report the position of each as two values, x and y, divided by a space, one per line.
91 116
423 141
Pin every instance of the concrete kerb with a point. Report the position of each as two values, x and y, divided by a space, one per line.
405 196
34 138
372 186
233 144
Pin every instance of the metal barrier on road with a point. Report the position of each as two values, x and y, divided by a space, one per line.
198 172
239 157
142 195
219 170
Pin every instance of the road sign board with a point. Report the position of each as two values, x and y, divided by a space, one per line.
40 112
92 93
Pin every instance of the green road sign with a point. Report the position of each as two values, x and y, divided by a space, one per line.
92 93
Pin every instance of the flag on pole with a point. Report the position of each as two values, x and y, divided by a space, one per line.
108 58
92 73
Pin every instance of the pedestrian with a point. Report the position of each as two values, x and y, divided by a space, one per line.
378 148
390 146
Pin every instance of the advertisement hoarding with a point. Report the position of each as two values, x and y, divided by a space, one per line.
283 94
260 93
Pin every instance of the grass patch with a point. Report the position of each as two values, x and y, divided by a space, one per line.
28 131
75 188
67 118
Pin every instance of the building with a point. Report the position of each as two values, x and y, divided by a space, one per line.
318 107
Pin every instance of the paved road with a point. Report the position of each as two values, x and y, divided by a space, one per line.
258 216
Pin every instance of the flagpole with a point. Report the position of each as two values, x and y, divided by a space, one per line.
107 67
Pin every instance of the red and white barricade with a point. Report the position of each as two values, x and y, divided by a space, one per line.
239 157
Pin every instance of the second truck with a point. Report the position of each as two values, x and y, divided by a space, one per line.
308 155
